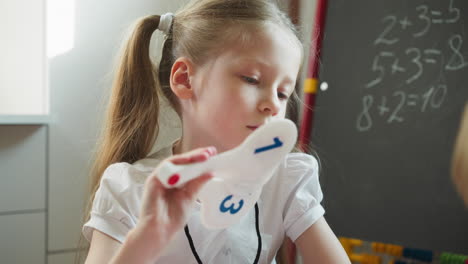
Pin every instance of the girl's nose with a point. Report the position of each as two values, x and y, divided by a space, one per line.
270 104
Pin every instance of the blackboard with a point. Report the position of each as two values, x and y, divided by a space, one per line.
393 83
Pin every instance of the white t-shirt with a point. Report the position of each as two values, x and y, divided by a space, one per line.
288 205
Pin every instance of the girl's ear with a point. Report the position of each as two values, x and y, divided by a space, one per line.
181 71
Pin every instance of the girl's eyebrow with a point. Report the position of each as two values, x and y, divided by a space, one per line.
263 64
257 62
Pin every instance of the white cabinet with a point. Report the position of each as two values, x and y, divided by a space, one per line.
22 238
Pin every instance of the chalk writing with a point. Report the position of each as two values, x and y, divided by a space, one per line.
401 68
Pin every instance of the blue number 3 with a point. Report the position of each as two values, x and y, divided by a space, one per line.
231 209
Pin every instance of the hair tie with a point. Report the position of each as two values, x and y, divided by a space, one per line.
165 22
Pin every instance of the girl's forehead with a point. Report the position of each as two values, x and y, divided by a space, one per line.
264 49
263 43
248 36
268 47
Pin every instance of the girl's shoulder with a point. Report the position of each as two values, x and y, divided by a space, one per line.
299 161
126 173
296 169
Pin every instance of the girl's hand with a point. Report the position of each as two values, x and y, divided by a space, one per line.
164 212
460 158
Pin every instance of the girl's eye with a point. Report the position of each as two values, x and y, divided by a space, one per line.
250 80
283 96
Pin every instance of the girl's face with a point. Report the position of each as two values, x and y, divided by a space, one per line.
243 88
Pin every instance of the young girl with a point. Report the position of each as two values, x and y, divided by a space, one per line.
227 67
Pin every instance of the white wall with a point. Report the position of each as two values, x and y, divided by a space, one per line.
79 82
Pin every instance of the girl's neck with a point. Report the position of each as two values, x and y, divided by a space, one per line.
182 146
192 140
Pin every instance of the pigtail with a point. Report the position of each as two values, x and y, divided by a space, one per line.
131 122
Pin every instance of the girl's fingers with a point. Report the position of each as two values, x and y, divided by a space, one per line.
155 191
460 158
197 155
194 158
151 195
155 194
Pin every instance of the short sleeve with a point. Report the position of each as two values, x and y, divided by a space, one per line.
116 203
302 208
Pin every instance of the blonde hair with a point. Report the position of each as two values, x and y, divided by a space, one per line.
198 33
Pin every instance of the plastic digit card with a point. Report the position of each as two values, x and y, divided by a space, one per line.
239 174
